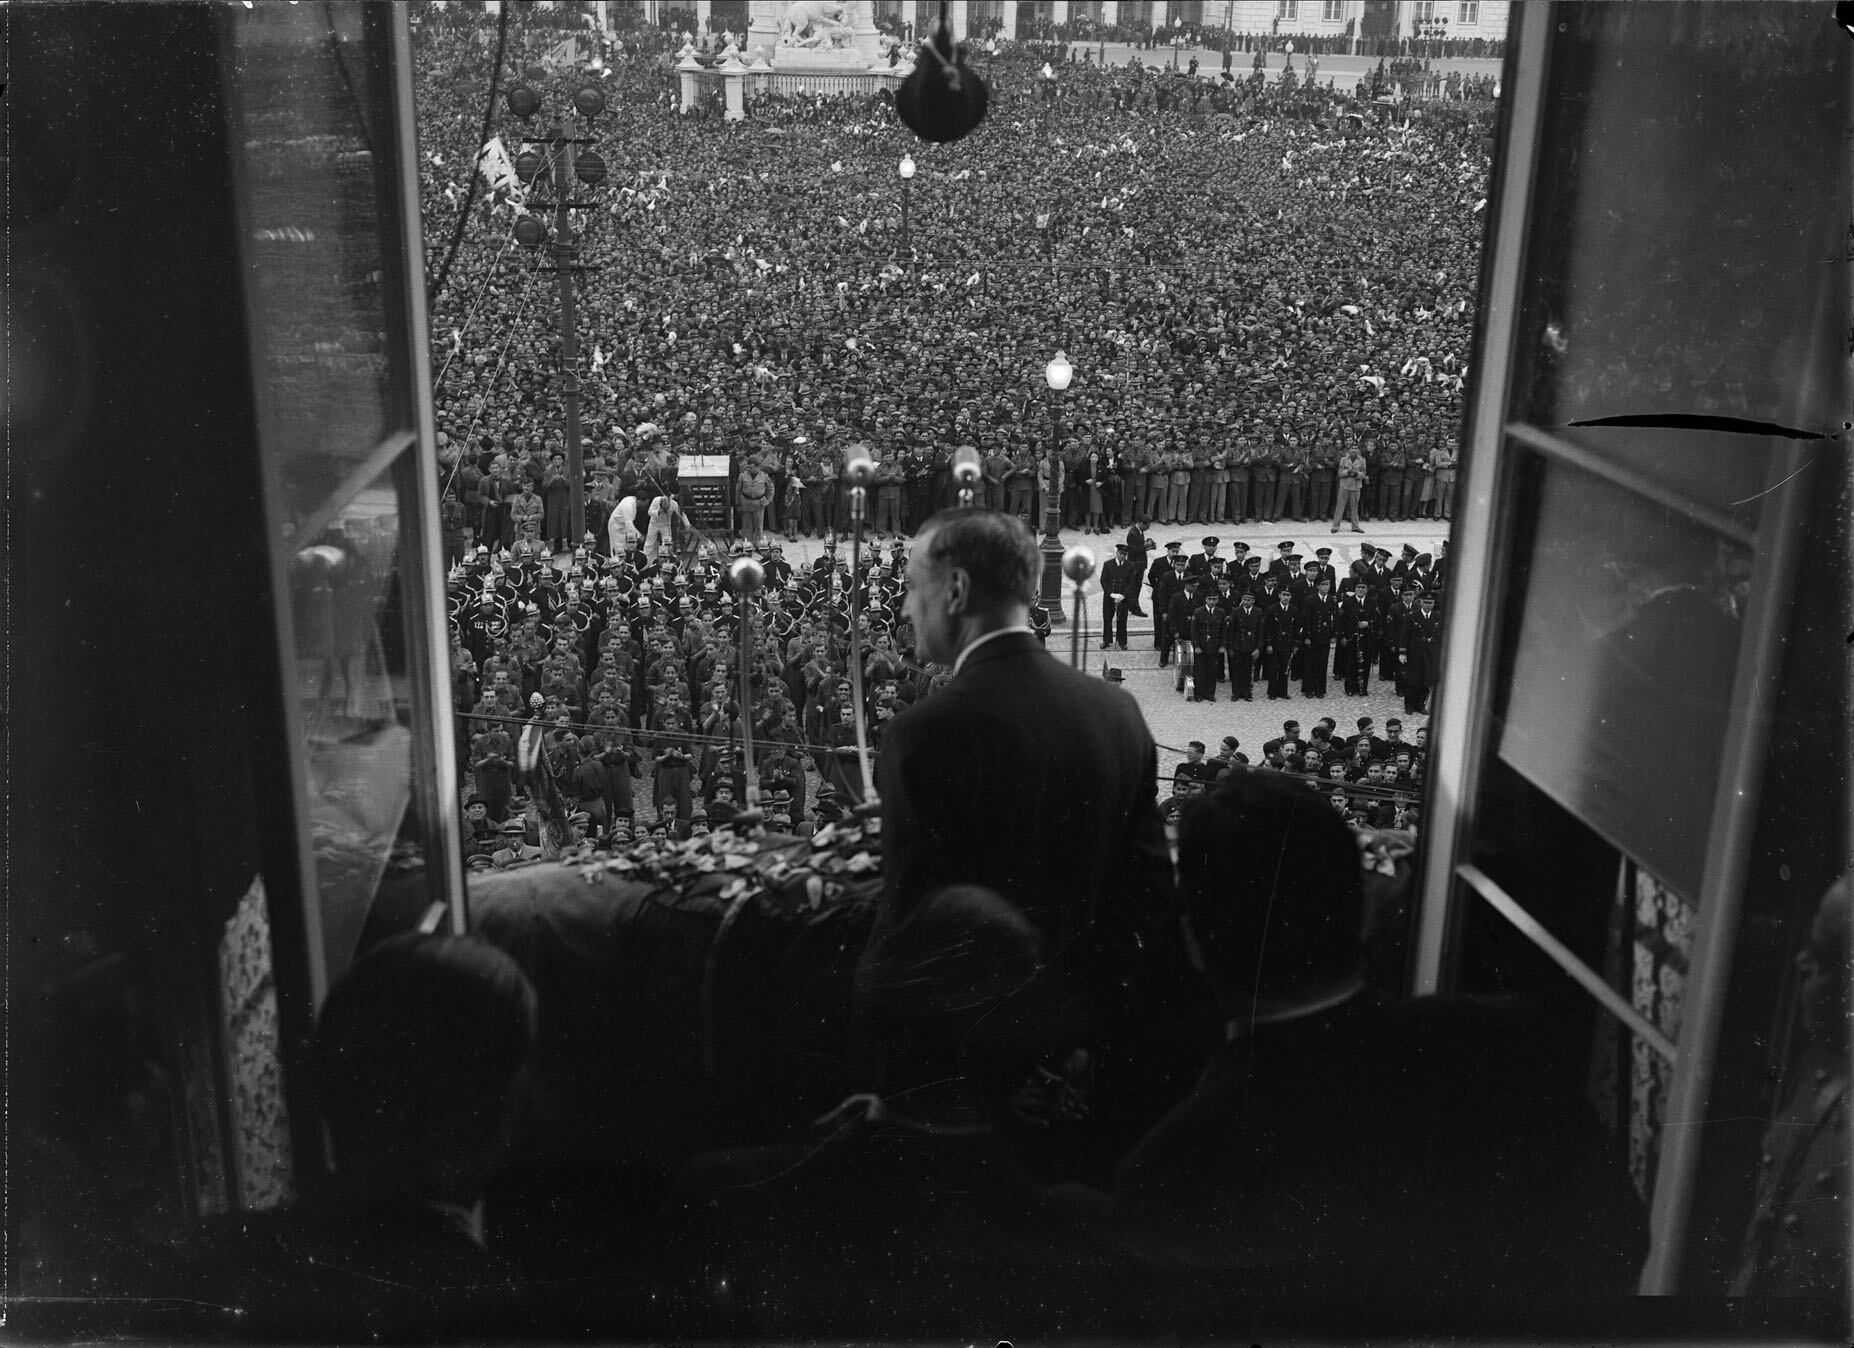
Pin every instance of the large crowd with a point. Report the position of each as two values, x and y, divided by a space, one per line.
1263 288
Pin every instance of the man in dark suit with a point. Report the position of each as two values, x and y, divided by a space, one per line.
1136 559
1021 774
1117 577
1200 565
1178 609
1280 634
1341 1145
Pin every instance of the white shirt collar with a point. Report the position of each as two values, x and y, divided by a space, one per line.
976 642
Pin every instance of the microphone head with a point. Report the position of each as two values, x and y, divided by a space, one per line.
1078 564
966 466
745 575
944 98
859 469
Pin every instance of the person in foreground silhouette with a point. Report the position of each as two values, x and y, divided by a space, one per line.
1347 1149
417 1051
905 1208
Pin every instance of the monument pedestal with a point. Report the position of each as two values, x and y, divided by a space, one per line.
768 21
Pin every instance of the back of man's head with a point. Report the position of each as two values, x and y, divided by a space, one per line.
997 552
1271 883
956 995
416 1049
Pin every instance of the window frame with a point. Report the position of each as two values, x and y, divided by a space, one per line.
1498 445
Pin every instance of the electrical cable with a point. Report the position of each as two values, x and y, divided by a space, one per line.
463 216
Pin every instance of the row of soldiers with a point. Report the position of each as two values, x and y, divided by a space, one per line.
1253 480
630 669
1299 620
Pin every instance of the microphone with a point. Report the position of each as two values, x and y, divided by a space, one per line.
966 472
943 99
1077 565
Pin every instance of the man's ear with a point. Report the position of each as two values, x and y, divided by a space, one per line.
958 590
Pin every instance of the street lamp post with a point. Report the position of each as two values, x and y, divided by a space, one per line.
1057 375
906 169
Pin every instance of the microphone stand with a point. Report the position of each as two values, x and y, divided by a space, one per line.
859 471
747 576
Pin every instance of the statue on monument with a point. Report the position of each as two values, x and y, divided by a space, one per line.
816 23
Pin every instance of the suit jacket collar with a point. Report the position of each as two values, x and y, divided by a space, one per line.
1004 645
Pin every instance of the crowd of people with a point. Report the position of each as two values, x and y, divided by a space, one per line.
1266 309
754 286
624 673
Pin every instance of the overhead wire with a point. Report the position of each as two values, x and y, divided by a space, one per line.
489 110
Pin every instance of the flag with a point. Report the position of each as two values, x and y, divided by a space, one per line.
562 54
498 171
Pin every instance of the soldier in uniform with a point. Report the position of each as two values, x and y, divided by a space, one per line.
1265 471
1325 455
1420 655
1318 621
1243 640
1207 646
1020 482
1179 608
1390 479
1240 460
1392 607
1201 565
1167 574
1280 636
1352 639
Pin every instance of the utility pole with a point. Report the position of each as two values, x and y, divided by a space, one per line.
587 167
566 256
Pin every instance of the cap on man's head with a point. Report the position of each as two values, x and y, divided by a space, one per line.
1120 547
1174 545
1322 552
1408 550
1211 542
1284 546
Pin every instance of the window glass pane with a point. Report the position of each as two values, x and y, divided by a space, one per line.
323 247
1666 276
1628 632
1721 470
354 698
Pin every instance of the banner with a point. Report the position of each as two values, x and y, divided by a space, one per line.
499 172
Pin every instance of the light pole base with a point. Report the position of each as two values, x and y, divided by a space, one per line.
1052 580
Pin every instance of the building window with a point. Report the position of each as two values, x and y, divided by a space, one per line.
1334 11
1423 11
1468 12
1287 9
